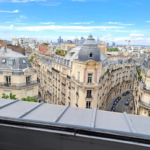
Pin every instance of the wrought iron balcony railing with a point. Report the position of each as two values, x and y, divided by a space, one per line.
19 85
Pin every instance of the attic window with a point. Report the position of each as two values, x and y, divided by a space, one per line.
90 55
23 61
3 61
10 62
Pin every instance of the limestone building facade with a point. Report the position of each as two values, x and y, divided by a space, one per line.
84 77
142 90
17 76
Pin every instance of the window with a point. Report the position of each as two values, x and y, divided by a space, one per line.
70 95
23 61
89 78
69 84
8 80
78 76
10 62
88 104
3 61
28 78
77 101
89 92
90 55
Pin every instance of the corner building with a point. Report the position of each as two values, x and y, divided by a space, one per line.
17 76
84 77
142 90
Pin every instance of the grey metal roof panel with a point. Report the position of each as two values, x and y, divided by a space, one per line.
77 116
4 101
45 113
140 124
16 109
111 121
65 115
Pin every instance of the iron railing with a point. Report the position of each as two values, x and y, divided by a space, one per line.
144 104
19 85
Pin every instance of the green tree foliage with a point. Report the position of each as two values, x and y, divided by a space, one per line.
30 99
45 44
31 60
11 96
61 52
113 49
139 71
140 77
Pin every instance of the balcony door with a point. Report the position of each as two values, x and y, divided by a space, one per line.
8 80
28 79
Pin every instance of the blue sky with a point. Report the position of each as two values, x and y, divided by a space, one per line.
111 20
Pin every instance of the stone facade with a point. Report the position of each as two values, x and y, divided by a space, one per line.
141 90
86 84
17 76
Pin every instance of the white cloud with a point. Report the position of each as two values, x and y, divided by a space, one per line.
137 35
4 11
21 1
148 21
52 4
47 22
89 0
83 22
60 28
119 23
23 17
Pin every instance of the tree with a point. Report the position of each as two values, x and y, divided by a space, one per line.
45 44
29 99
139 71
11 96
140 77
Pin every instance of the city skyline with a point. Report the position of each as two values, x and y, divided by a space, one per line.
76 18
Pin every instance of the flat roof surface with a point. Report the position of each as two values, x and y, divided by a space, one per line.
97 119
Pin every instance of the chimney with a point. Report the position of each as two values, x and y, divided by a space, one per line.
5 49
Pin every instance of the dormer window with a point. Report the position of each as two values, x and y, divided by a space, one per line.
3 61
10 62
91 55
23 61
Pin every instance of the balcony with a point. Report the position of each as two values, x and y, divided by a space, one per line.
62 93
55 70
62 103
19 85
77 93
49 72
68 77
89 96
49 93
144 104
63 84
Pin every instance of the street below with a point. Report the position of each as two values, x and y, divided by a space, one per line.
121 107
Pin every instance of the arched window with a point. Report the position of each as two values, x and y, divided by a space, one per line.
90 55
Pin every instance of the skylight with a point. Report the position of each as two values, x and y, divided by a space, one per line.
3 61
23 61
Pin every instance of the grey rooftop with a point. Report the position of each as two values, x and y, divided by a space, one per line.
77 117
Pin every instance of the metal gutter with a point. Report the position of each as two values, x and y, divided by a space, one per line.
61 113
129 123
9 103
29 111
94 118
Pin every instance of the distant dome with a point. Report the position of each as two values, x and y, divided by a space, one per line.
89 50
